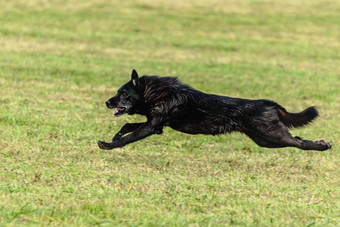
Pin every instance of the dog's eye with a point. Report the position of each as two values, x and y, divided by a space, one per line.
124 94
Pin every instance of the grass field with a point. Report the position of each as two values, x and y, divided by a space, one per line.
61 60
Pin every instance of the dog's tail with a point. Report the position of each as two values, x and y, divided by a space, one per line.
292 120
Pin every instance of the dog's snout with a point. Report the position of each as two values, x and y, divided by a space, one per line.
108 103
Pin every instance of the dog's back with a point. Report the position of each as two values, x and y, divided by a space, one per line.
196 112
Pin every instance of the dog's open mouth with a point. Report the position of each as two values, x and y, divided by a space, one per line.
120 111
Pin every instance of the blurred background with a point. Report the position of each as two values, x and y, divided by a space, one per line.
61 60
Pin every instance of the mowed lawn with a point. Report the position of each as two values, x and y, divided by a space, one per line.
61 60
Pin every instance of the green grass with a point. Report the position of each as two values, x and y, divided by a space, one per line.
61 60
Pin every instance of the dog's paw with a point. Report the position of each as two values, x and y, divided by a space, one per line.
325 143
102 145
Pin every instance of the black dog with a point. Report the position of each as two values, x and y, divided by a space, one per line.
165 101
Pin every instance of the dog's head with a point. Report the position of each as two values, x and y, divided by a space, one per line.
127 98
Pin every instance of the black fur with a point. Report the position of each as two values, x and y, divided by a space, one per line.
165 101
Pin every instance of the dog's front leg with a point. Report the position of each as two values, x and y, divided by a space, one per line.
127 128
147 129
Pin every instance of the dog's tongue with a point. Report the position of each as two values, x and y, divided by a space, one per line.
118 111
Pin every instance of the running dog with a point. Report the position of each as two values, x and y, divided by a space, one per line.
165 101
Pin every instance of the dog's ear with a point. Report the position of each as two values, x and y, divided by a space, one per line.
134 78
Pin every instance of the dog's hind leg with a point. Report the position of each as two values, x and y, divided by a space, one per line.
276 134
127 128
267 130
260 140
287 140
